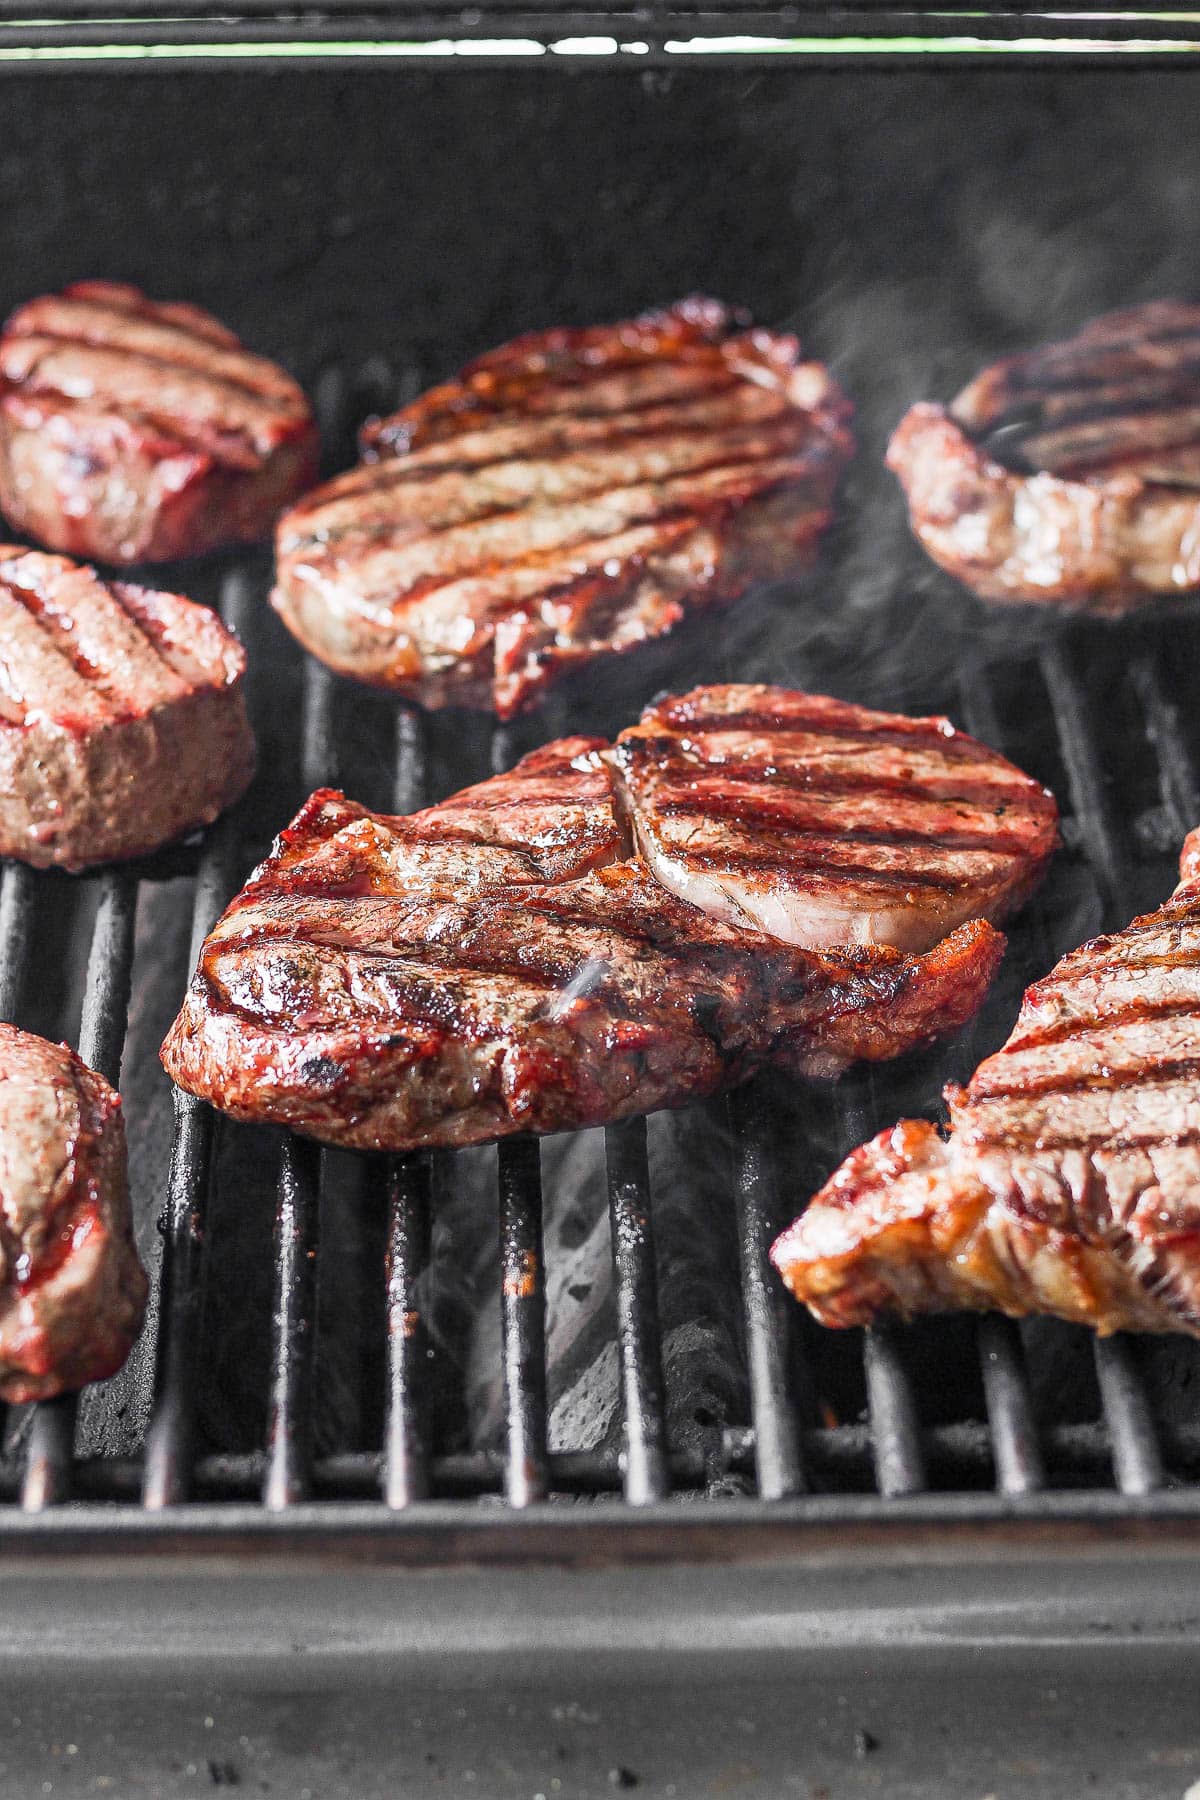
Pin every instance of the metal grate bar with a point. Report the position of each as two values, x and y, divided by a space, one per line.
639 1338
523 1309
406 1456
170 1435
1137 1459
1016 1450
895 1428
47 1480
1085 776
776 1442
16 935
1177 767
293 1326
1018 1454
411 760
319 761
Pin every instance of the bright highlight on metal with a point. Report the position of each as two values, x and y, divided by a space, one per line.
469 49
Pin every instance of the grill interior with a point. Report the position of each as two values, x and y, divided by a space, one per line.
315 1414
594 1320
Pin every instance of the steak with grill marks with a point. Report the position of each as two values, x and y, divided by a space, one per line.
72 1291
122 722
501 963
1070 473
572 494
134 430
1069 1182
823 823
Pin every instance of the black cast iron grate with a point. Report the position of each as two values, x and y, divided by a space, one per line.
785 1451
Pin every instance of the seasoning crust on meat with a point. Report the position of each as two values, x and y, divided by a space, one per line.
502 963
134 430
72 1291
1069 1181
823 823
570 495
1070 473
122 721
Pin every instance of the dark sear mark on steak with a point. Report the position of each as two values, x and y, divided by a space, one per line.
122 721
72 1291
823 823
504 963
1070 473
134 430
1069 1182
571 494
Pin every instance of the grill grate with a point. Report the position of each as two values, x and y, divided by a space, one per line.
786 1452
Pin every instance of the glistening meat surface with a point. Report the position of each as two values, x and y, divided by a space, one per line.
823 823
501 963
72 1291
136 430
122 721
1069 1182
570 495
1070 473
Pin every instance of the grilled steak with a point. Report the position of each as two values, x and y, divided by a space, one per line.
1070 1179
1071 473
572 494
137 431
501 963
72 1291
122 722
822 823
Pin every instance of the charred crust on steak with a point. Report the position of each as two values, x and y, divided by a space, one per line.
570 495
135 430
505 962
72 1290
122 719
1068 1179
1069 473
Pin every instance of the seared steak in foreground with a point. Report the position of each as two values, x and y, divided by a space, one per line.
500 964
134 430
122 722
572 494
72 1291
823 823
1070 1179
1071 473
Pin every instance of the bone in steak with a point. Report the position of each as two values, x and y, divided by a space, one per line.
824 823
572 494
72 1291
1069 1182
501 963
134 430
1070 473
122 722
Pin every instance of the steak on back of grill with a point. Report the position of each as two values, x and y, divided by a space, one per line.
1069 1182
570 495
122 721
823 823
135 430
503 963
1070 473
72 1291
